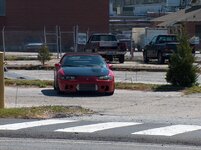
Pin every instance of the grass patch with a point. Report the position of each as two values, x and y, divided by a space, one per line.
118 85
193 90
135 86
35 83
44 112
18 58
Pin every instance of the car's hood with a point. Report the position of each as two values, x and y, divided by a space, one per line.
86 71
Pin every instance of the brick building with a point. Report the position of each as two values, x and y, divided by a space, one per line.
34 15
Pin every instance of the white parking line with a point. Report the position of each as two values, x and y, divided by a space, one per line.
169 130
17 126
97 127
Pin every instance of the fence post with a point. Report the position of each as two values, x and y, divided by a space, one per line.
1 80
76 30
3 40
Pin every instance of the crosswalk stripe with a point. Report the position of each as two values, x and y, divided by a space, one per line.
169 130
97 127
23 125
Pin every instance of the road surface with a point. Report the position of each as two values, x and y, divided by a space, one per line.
39 144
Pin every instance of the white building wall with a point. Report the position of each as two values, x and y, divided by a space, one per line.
143 9
172 3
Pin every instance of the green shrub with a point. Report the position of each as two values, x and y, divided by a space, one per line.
44 54
181 70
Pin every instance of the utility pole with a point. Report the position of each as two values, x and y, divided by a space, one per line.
1 80
3 40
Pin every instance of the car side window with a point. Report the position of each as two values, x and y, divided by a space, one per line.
162 39
153 41
95 38
62 60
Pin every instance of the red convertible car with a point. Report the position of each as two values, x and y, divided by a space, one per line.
83 72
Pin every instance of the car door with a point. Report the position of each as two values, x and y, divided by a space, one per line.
151 48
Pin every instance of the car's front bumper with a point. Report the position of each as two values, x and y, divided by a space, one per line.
100 86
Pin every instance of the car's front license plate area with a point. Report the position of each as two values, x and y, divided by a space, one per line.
87 87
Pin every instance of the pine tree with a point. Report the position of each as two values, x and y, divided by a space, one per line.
181 69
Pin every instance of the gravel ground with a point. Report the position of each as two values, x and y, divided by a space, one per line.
123 105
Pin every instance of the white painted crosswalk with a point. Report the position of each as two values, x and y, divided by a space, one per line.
77 126
97 127
23 125
169 130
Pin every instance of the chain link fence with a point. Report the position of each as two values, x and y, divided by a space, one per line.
15 39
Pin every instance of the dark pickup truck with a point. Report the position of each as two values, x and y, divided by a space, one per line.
161 47
107 46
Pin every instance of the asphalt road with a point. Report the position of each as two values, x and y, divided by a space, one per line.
116 131
40 144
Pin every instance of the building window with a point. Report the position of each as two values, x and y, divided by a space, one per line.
2 8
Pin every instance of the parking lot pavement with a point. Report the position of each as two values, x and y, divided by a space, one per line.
136 64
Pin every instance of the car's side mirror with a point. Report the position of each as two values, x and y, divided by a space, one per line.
109 66
57 66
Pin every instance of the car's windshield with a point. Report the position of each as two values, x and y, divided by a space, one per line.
168 39
83 61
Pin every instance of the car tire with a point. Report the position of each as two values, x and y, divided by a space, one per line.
145 58
110 58
121 59
59 92
161 59
57 89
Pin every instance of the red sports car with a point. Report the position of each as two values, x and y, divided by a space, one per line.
83 72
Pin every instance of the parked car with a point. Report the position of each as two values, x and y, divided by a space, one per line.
127 40
33 47
83 72
107 46
161 47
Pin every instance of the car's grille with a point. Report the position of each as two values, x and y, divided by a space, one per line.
87 87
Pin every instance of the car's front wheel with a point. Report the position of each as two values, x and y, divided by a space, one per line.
57 89
161 59
59 92
121 59
145 58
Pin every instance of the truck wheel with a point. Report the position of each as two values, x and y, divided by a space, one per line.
121 58
161 59
110 58
146 59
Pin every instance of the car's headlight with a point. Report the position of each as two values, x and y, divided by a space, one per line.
107 77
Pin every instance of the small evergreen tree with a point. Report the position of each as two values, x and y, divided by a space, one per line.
181 70
44 54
